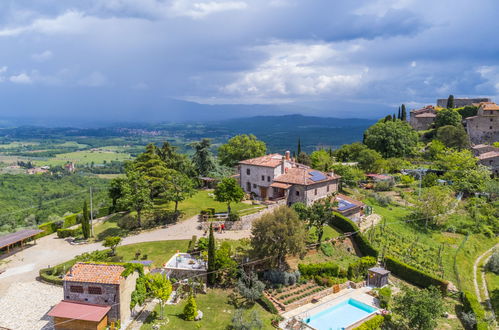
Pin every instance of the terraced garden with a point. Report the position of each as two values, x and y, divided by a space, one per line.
288 295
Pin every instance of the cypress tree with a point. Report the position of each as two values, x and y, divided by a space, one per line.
298 152
211 257
394 118
398 116
388 118
450 102
85 225
403 114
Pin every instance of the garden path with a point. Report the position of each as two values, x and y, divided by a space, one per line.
484 281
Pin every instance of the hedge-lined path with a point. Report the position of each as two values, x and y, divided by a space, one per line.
486 298
484 281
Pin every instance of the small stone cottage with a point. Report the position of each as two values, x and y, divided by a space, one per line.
484 127
421 119
96 287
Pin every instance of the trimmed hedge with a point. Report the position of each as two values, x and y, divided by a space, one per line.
70 220
63 233
373 324
346 225
46 276
322 269
48 228
267 305
413 275
471 304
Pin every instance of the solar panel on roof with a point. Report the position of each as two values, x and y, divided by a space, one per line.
317 176
344 205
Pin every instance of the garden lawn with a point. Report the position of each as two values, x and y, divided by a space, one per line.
217 313
159 252
109 228
204 199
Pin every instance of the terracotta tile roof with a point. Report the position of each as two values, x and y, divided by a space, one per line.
280 185
271 160
489 106
302 176
488 155
95 273
79 311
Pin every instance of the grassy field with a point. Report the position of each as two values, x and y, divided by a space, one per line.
84 157
13 145
204 199
217 313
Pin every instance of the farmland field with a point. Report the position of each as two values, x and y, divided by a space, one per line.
84 157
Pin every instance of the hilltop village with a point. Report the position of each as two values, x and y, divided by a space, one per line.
398 231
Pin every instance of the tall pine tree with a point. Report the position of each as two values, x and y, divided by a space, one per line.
398 116
450 102
85 221
211 257
403 113
298 151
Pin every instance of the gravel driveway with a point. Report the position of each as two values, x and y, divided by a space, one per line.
24 301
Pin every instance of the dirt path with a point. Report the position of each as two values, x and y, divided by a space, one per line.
484 283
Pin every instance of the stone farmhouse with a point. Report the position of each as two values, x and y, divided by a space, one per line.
462 102
421 119
280 178
490 159
484 127
99 289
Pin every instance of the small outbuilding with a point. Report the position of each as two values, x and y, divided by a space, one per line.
377 277
69 315
183 265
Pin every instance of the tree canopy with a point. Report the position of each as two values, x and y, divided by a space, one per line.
453 136
391 138
448 117
278 234
177 187
241 147
321 160
349 152
136 194
203 158
228 191
419 309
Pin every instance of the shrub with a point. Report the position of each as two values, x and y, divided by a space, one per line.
233 217
359 267
414 275
274 276
49 227
384 185
321 269
63 233
267 304
190 309
471 305
346 225
327 249
128 221
192 244
382 200
70 220
202 244
493 263
385 297
373 324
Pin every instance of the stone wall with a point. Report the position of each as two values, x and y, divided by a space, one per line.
483 128
462 102
421 123
110 296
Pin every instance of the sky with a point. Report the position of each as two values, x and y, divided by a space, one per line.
132 60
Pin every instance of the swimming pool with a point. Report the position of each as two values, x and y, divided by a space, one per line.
341 315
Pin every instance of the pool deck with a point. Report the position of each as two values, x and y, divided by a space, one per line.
331 300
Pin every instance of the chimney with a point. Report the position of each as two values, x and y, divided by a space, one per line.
288 155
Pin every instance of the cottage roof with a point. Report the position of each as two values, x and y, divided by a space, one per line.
379 270
346 201
488 155
280 185
378 176
95 273
304 176
79 311
489 106
271 160
426 109
426 115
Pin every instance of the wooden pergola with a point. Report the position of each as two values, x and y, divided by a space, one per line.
7 241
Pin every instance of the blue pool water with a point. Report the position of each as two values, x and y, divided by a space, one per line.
340 316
